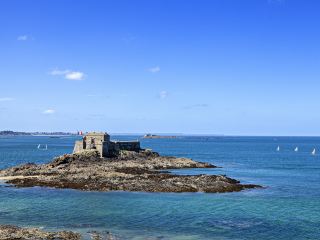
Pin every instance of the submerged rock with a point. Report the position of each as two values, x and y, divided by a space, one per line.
129 171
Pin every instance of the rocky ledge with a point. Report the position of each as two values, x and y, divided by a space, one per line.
9 232
129 171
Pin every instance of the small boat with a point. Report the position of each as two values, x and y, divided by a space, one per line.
296 149
278 148
313 152
44 148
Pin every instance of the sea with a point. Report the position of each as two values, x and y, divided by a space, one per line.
287 207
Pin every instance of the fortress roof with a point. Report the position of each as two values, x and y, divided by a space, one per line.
97 134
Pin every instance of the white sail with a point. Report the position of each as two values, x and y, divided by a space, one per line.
296 149
43 147
313 152
278 148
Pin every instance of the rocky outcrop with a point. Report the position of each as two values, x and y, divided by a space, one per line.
9 232
129 171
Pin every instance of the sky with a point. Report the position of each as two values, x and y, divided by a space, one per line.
233 67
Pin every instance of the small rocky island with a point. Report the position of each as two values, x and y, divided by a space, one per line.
98 164
153 136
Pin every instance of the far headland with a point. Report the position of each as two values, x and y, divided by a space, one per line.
151 136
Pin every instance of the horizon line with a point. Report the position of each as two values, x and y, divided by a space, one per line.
171 134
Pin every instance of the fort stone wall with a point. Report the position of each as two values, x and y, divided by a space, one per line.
101 142
128 145
78 146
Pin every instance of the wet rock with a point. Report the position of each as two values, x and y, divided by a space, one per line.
102 236
9 232
85 156
129 171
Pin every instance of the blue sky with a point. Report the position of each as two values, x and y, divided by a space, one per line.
241 67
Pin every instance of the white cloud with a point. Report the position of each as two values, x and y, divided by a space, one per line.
59 72
6 99
23 38
49 111
68 74
163 94
75 76
154 69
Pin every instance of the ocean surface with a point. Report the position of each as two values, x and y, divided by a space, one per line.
287 208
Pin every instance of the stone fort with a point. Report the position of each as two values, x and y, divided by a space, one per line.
101 142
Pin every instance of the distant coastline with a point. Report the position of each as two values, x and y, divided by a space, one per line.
13 133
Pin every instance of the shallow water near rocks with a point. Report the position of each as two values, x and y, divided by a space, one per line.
288 208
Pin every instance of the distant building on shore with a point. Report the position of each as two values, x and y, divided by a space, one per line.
101 142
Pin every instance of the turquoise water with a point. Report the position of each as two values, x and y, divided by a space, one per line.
288 208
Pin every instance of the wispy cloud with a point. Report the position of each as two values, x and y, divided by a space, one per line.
199 105
6 99
49 111
97 95
276 1
59 72
129 38
23 38
68 74
163 94
75 76
154 69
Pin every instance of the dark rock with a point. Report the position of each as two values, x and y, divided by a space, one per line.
130 171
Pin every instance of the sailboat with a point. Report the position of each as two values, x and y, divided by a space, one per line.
42 148
313 152
296 149
278 148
